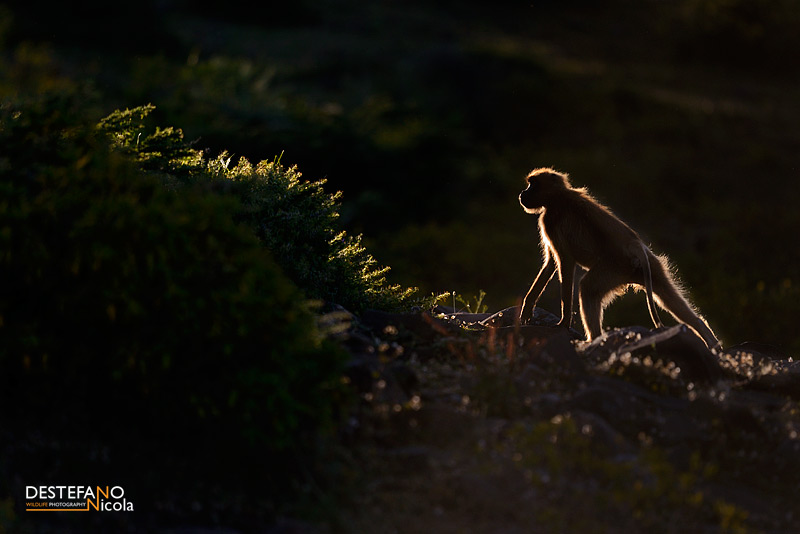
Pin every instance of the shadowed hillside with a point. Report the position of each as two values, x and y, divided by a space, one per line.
681 116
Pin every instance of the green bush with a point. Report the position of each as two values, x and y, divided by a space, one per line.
163 151
148 309
295 219
298 221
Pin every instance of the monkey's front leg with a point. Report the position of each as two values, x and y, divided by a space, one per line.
566 274
537 288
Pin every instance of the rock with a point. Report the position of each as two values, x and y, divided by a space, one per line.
786 384
509 316
761 350
421 327
541 318
462 318
557 350
675 344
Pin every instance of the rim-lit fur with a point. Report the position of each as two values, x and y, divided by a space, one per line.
577 230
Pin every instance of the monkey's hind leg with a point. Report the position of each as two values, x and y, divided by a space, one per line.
671 298
646 262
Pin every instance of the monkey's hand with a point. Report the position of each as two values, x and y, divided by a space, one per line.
564 323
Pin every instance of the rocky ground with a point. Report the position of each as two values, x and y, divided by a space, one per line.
469 423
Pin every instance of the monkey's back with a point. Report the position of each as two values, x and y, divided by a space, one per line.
582 228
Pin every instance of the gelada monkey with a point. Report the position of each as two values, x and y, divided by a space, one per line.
576 230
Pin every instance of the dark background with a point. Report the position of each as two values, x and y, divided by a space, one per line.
682 116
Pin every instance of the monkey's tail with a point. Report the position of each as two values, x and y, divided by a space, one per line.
648 287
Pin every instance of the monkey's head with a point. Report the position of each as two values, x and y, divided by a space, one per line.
544 186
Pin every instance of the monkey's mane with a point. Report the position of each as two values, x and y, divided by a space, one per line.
594 208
